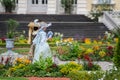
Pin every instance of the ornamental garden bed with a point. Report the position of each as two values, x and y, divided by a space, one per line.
67 50
47 78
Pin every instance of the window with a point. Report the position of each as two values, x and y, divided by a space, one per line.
75 1
34 1
16 1
44 1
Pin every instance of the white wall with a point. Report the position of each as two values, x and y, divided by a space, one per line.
1 8
82 7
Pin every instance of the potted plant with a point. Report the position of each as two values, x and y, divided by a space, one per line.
67 5
11 27
9 5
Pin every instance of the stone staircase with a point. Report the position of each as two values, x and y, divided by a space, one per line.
70 25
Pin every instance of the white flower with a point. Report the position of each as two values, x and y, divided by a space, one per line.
103 76
57 42
89 72
55 33
61 35
58 34
115 68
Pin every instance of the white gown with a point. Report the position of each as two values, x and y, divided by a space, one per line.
41 46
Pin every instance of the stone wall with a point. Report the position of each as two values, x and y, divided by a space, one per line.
117 5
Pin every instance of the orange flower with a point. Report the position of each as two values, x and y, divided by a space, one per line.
87 41
96 48
27 61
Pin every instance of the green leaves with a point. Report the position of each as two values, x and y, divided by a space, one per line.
9 5
43 64
12 25
67 4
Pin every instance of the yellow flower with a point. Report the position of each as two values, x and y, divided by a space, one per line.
12 69
83 48
116 40
87 41
89 51
68 67
95 42
102 53
21 65
108 43
100 42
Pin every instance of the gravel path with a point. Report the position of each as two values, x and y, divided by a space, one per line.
103 64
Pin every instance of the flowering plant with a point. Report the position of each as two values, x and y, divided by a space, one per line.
68 67
12 24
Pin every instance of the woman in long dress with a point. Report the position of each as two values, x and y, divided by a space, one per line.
40 42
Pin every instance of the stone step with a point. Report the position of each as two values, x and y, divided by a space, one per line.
91 30
44 17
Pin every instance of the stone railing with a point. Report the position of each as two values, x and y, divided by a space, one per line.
111 19
102 2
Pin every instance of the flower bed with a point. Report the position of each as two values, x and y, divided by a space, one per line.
86 51
37 78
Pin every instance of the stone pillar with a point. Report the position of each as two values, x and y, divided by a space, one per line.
52 6
22 7
82 7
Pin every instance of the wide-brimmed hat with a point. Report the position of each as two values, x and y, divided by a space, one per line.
44 24
36 23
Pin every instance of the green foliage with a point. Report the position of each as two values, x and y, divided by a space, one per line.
68 67
113 74
12 25
97 11
3 72
9 5
93 67
69 51
67 4
12 78
43 64
116 58
85 75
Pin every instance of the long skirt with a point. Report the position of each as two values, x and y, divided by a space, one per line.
41 50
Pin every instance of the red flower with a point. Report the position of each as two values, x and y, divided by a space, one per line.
3 39
2 59
90 64
7 60
86 57
109 47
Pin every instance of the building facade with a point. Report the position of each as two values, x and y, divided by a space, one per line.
55 6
